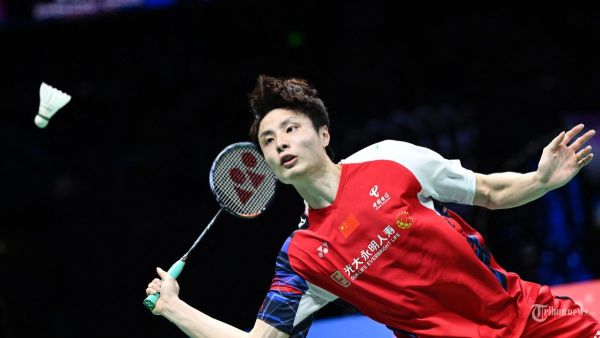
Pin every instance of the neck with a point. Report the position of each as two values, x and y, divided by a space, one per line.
320 189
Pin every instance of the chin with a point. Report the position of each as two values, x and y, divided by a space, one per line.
288 176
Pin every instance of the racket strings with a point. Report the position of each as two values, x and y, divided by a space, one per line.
243 182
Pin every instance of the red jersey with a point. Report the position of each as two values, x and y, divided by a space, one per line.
384 248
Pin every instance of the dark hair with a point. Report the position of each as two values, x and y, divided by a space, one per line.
295 94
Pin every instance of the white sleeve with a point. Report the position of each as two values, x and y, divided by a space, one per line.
441 179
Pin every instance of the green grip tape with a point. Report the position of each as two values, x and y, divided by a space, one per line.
150 301
176 268
174 271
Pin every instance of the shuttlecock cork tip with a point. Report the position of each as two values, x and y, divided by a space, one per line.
40 121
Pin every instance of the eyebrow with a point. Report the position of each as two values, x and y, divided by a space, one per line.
283 123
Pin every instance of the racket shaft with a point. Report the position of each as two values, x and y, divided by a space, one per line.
203 232
175 269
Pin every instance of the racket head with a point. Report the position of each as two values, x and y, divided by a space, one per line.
241 180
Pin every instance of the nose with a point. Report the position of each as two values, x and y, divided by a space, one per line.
282 145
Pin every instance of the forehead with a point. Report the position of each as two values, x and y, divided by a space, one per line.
275 117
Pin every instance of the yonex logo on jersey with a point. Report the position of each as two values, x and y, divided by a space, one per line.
322 250
597 334
338 277
348 225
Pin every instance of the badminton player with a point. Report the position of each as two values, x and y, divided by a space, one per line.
377 235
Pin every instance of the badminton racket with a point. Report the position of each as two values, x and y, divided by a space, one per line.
243 185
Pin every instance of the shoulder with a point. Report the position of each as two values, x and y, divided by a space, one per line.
387 150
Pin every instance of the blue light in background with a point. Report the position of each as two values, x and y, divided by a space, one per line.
565 229
158 3
355 326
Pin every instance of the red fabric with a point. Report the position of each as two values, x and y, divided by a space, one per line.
586 294
559 317
405 265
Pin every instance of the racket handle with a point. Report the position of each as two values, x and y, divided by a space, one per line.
174 271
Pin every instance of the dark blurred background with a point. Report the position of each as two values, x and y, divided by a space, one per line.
117 184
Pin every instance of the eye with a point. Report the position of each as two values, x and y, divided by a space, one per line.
267 141
291 129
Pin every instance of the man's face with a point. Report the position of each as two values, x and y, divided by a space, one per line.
291 145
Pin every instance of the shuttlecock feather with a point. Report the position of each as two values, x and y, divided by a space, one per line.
51 100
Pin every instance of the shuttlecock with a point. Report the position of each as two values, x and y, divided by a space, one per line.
51 100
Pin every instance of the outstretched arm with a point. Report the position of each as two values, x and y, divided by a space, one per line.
559 163
195 323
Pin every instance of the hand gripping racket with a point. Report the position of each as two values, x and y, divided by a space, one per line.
243 185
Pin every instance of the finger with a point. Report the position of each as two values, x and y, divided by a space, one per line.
583 139
571 133
583 153
155 286
156 280
557 141
162 273
586 160
150 291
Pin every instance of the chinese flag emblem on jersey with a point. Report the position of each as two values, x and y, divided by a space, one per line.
348 225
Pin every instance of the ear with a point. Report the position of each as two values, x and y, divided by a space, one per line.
324 134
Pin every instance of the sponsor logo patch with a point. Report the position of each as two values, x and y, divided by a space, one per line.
404 220
322 250
338 277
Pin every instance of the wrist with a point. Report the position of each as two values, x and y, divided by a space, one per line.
541 182
171 306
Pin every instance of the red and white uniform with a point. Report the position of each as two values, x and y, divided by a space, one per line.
384 248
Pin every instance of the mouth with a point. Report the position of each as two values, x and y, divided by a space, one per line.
288 161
